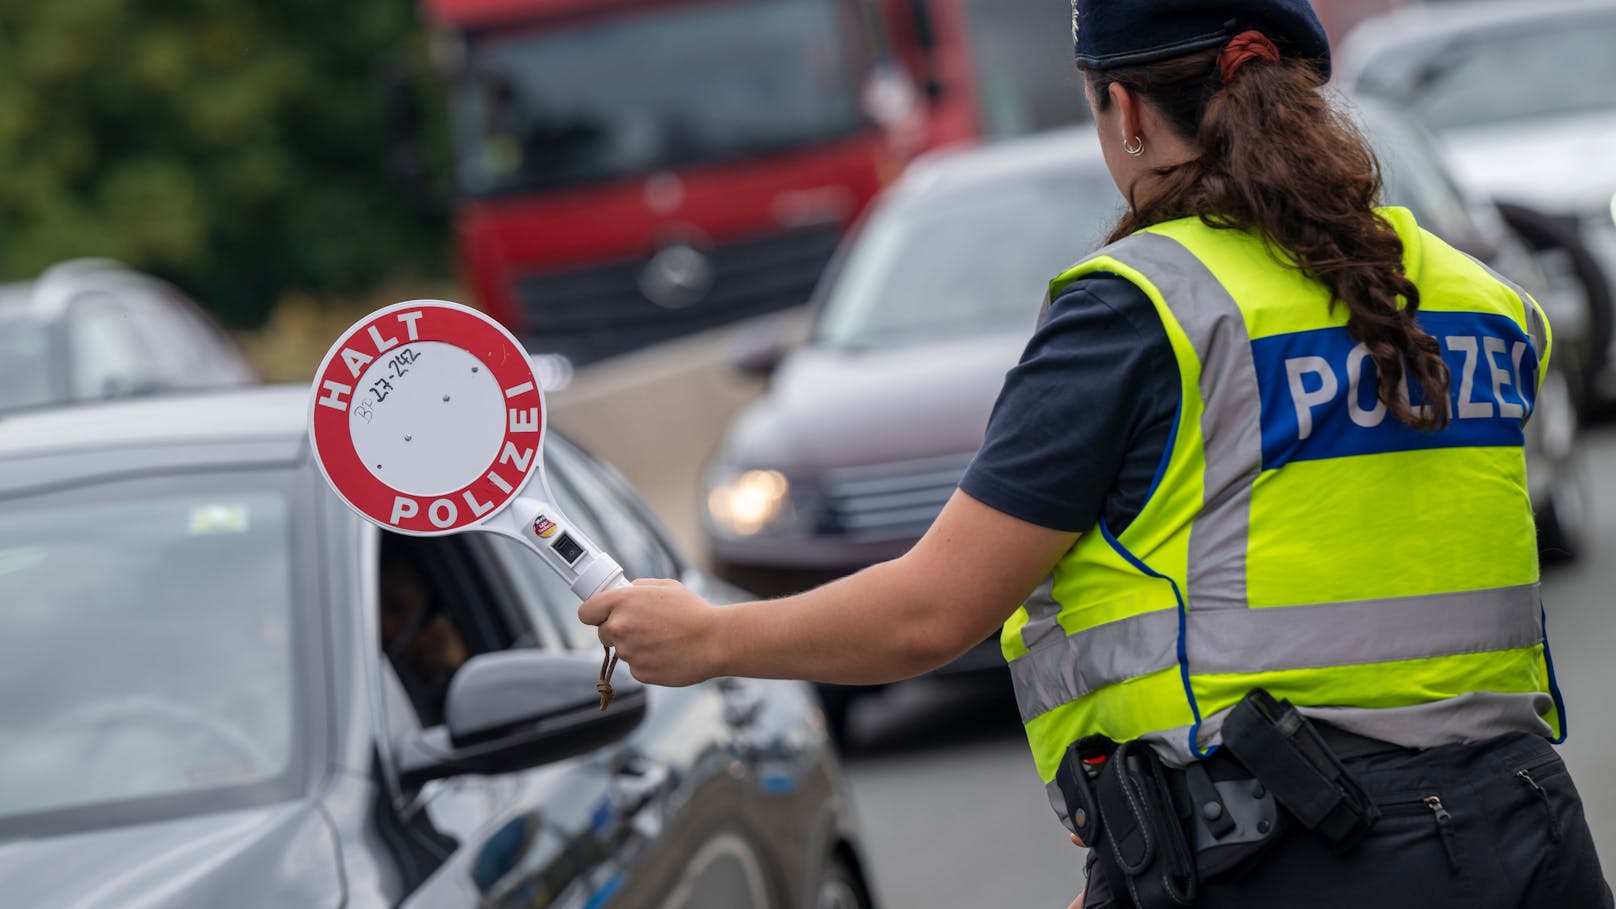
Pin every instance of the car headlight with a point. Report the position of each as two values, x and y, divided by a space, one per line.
747 502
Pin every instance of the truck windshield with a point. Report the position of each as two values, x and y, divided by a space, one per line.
651 90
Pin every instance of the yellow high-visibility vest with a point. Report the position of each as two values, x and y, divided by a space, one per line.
1298 537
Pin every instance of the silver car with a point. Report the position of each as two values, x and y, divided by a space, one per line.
89 329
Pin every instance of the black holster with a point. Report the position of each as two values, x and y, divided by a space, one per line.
1289 757
1122 806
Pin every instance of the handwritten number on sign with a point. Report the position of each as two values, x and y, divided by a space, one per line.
396 368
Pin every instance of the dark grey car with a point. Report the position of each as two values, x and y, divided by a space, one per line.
204 710
866 429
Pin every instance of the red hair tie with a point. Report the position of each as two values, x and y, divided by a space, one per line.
1242 48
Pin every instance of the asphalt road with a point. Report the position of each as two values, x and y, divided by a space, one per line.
954 816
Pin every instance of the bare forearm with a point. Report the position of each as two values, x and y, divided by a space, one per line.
869 628
889 622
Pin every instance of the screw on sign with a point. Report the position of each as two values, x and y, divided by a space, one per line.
427 419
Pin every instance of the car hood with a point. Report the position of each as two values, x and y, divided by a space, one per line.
1562 165
279 856
830 407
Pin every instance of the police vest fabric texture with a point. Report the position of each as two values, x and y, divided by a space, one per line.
1298 537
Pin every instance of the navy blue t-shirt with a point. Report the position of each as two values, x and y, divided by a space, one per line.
1082 424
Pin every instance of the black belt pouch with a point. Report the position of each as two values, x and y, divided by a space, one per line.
1142 837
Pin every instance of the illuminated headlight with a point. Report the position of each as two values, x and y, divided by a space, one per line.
746 503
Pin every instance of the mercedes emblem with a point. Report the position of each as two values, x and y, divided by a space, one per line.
677 276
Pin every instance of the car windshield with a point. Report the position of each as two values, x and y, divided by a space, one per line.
966 262
25 361
1545 67
145 645
634 94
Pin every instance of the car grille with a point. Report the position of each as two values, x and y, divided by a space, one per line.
600 311
893 501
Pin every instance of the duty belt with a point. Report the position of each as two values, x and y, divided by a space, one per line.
1157 831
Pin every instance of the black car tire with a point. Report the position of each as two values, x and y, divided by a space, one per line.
841 888
1564 521
1543 232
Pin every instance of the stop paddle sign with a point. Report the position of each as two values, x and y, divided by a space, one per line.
427 419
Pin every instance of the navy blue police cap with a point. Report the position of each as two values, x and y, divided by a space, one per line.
1107 34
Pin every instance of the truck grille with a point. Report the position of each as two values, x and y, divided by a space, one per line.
602 310
885 502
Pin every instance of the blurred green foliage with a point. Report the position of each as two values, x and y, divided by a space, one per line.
237 147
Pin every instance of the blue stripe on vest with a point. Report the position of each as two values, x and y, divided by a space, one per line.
1319 391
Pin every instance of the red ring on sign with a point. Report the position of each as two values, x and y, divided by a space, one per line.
520 450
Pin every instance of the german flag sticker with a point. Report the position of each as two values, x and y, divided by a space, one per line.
544 527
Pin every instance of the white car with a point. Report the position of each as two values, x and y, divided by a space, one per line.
1523 95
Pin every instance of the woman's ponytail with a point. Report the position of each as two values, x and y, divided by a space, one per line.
1276 159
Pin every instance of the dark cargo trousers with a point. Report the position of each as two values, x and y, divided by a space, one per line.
1494 824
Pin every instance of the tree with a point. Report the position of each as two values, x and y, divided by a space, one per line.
235 147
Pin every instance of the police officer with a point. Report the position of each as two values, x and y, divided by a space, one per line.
1258 486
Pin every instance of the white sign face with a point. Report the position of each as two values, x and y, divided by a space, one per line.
427 419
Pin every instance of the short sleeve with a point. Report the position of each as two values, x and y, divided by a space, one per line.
1083 421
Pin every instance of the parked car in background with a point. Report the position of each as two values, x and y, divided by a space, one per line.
90 328
866 429
1523 96
225 689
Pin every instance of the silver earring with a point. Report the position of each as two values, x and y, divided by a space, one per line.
1136 149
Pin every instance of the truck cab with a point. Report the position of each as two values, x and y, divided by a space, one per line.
631 170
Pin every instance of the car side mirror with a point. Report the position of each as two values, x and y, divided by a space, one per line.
758 348
515 710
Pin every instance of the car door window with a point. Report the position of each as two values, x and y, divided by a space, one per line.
585 495
627 530
440 602
1416 178
108 355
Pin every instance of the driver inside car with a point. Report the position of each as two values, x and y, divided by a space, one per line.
424 647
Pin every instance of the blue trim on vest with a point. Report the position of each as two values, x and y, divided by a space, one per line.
1183 633
1554 684
1167 455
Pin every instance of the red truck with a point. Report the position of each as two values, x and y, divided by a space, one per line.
630 170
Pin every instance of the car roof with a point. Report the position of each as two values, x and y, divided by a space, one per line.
1428 21
258 413
961 167
48 296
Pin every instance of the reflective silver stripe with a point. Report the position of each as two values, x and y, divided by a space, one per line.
1277 638
1535 329
1470 717
1231 428
1061 670
1042 614
1364 631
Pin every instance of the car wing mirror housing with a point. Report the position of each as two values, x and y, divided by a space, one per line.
515 710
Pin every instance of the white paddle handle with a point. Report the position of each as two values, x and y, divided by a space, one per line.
602 574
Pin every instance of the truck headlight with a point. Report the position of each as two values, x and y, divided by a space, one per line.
747 502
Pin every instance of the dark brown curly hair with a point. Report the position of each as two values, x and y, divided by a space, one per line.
1278 160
